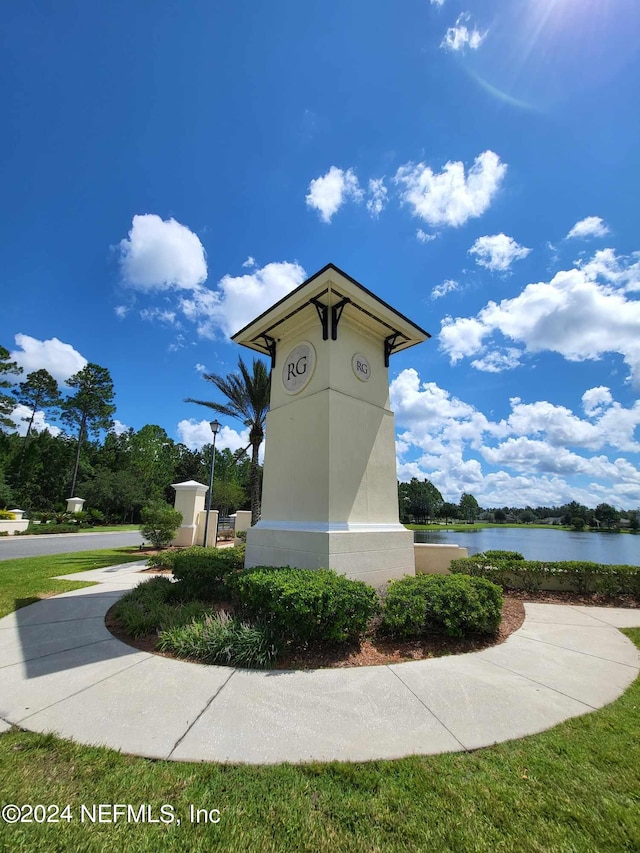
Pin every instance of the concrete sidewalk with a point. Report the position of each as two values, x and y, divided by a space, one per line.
62 671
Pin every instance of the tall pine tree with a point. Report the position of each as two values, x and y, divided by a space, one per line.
90 409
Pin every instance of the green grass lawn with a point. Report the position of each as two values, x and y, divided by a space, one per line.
575 788
26 579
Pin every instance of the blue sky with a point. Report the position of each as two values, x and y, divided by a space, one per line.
170 170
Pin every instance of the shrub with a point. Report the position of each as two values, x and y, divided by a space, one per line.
5 515
575 575
453 604
163 559
301 605
35 529
221 639
95 516
159 524
152 606
203 572
503 555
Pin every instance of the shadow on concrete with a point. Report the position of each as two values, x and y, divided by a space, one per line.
60 633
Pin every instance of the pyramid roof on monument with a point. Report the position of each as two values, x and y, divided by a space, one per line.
328 294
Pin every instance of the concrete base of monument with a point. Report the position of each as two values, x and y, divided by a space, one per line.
374 553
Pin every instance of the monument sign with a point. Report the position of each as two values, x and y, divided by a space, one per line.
330 496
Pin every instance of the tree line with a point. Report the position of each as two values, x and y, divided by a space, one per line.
420 502
117 474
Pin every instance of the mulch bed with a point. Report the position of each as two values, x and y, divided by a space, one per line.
371 651
375 650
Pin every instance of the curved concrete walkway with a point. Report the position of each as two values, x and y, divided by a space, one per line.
61 671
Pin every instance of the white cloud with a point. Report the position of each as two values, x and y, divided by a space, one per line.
329 192
591 226
197 434
377 197
594 400
423 237
621 270
160 254
200 368
121 311
162 315
119 428
21 416
451 197
239 299
60 359
497 252
540 448
460 36
447 286
571 315
249 263
437 2
498 360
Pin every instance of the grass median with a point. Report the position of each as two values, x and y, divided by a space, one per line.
27 579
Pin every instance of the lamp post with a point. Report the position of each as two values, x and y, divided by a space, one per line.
215 427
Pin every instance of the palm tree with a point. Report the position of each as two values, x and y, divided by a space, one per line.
247 400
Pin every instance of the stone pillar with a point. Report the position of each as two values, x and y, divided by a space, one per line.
330 493
212 532
190 502
243 522
75 504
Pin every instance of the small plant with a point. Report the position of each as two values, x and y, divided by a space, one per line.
5 515
241 535
221 639
159 524
451 604
154 606
301 605
95 516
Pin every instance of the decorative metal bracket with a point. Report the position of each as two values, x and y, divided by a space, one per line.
336 314
270 344
323 314
389 346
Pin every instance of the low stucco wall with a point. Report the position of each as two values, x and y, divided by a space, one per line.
436 559
14 526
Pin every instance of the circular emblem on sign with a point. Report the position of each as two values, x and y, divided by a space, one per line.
361 367
298 367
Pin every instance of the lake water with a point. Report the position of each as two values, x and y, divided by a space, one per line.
536 544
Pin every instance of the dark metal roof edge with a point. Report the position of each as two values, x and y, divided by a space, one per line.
314 276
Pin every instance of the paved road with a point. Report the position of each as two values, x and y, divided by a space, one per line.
63 543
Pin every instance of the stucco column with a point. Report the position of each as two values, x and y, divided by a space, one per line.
330 493
243 522
189 501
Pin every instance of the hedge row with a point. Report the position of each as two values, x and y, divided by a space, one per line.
573 575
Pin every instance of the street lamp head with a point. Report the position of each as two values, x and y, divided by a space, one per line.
215 427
